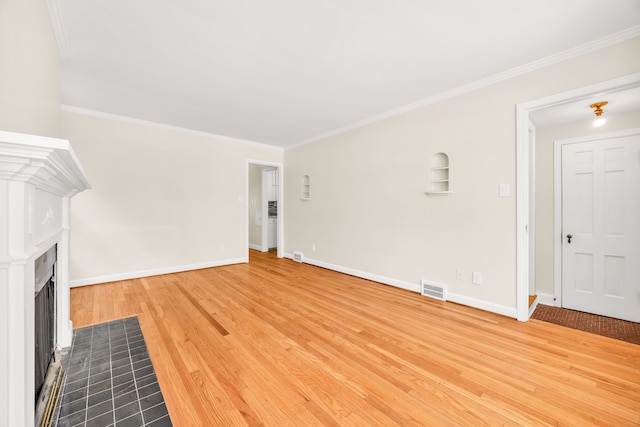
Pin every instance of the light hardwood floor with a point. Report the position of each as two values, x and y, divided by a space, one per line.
278 343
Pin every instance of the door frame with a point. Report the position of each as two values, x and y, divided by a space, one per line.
532 210
264 208
524 175
264 235
265 216
557 200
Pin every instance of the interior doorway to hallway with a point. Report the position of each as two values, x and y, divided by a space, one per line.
265 227
525 174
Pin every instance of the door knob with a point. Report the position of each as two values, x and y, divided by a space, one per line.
569 236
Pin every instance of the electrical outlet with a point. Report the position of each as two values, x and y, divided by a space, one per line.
221 248
313 247
459 274
477 278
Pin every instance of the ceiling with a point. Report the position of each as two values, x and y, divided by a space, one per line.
619 102
286 72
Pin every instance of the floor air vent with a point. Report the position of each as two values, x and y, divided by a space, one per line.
433 290
297 256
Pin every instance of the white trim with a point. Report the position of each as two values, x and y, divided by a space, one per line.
413 287
532 209
533 306
65 327
557 226
153 272
546 299
255 247
557 200
482 305
124 119
522 213
522 153
58 29
496 78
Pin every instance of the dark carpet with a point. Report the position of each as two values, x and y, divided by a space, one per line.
613 328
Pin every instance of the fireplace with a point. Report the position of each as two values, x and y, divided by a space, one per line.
38 177
44 317
44 333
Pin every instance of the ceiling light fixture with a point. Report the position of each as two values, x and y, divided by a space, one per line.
598 111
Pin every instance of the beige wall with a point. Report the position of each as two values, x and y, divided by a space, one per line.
545 138
160 199
369 212
29 103
29 69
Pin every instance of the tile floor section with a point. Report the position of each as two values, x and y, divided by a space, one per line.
601 325
110 379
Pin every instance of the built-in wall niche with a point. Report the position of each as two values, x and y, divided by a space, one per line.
306 188
439 175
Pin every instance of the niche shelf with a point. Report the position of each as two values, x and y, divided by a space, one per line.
439 175
306 189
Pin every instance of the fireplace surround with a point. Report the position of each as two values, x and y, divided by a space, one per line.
38 177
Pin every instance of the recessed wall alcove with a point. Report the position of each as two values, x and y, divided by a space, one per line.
306 188
439 175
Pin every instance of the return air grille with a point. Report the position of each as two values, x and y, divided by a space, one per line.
433 290
297 256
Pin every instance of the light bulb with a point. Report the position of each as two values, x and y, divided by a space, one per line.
599 121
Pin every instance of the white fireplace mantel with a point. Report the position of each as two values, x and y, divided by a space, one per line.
38 176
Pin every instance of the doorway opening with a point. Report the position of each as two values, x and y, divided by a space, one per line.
525 203
265 209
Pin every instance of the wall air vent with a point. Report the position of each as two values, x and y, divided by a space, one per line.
297 256
433 290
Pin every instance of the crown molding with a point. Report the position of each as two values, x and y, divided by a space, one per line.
496 78
124 119
58 29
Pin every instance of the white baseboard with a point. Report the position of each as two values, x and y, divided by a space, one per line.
533 306
255 247
483 305
362 274
546 299
459 299
153 272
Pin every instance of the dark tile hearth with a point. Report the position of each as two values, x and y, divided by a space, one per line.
110 379
601 325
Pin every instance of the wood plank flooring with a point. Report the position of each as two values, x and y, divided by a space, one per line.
277 343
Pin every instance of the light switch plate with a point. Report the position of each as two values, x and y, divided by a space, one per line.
505 190
476 278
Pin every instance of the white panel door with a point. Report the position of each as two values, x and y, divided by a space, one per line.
601 227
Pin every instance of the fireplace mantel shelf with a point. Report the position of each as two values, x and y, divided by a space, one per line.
48 163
